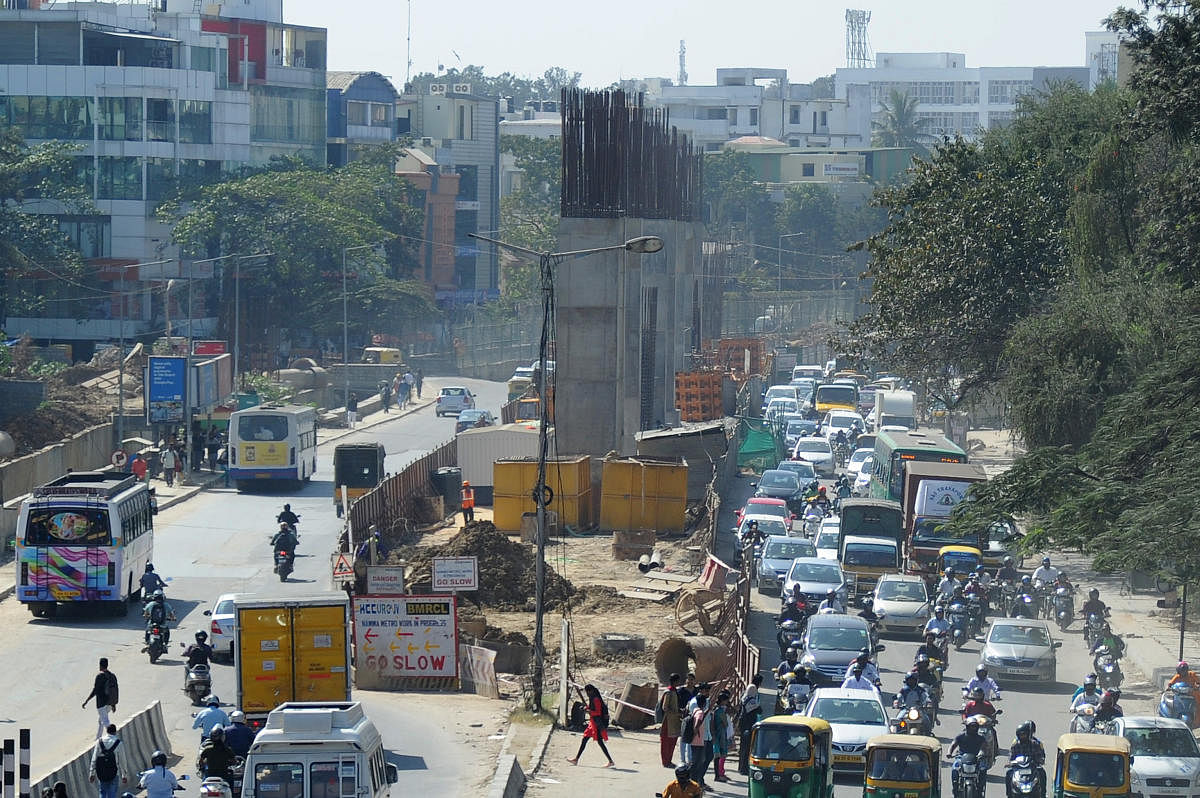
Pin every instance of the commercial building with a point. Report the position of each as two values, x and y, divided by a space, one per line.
360 113
954 98
439 188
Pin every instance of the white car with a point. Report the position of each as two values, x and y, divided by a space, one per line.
901 602
779 392
454 399
767 525
223 625
1164 759
840 420
854 464
818 452
856 716
862 482
827 539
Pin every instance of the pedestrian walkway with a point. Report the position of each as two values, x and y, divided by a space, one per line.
431 388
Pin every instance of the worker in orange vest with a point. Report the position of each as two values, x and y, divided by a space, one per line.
468 503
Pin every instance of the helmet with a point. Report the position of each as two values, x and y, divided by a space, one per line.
831 593
1026 581
466 484
977 694
284 525
922 659
1109 698
864 654
821 491
939 611
789 626
201 636
910 679
857 669
237 716
217 734
1182 667
1089 687
287 507
158 595
972 722
213 701
683 773
792 651
149 567
1089 679
949 572
1008 560
1093 594
981 669
1045 561
1025 730
158 759
979 568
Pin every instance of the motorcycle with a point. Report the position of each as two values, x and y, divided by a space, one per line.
1024 606
1178 702
1084 721
789 635
284 561
1008 595
974 615
956 613
912 718
969 778
812 523
1022 779
156 644
197 682
217 787
1064 608
1108 672
987 727
1092 628
1044 599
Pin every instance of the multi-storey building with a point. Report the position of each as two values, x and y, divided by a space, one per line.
361 113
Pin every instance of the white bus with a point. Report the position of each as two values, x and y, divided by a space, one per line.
272 444
84 537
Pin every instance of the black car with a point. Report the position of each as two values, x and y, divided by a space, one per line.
778 484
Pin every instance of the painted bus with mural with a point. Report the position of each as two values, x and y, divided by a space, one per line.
84 538
272 444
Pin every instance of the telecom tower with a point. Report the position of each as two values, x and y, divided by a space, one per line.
682 63
858 46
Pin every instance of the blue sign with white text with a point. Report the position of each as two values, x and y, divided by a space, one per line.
165 387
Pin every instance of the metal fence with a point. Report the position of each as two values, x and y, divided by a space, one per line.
788 313
392 505
487 348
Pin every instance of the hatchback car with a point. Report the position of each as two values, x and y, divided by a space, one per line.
901 602
831 641
763 505
857 458
473 418
776 559
803 470
767 525
454 399
827 539
811 578
776 484
778 392
816 451
1164 760
223 625
840 421
1017 648
855 715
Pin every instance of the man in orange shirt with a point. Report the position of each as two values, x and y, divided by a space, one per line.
468 503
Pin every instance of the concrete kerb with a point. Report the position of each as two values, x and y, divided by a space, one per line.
539 750
509 780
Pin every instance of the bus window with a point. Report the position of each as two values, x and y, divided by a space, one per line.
279 780
63 526
896 476
323 780
263 428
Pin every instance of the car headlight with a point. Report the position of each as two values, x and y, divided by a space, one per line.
757 775
880 613
795 778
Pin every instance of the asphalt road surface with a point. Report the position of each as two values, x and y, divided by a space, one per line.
214 543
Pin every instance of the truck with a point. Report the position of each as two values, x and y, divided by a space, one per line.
897 408
931 491
784 366
290 649
870 538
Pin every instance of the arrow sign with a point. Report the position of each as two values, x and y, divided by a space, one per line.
430 646
413 649
370 635
393 647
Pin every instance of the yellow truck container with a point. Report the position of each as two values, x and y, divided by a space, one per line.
570 479
644 493
293 649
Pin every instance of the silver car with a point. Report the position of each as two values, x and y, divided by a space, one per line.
223 625
816 451
778 553
901 602
810 579
1017 648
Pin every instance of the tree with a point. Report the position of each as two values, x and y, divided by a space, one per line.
529 216
515 87
899 125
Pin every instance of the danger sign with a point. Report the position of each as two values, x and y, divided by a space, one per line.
406 636
342 567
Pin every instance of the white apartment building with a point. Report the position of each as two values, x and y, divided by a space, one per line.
955 98
739 106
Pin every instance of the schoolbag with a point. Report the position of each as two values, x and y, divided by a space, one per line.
106 762
658 709
158 613
689 728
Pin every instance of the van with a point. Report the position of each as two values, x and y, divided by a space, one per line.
318 750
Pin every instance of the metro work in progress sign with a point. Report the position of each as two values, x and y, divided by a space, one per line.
407 636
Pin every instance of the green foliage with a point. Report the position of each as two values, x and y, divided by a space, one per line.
529 216
506 84
899 125
40 369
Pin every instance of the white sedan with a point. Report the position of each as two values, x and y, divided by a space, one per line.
856 716
862 482
818 452
854 464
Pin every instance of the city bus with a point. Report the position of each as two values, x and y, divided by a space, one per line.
272 444
894 448
84 538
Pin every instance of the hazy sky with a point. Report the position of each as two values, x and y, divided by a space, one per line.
611 39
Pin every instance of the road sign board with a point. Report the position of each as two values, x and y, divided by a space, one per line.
342 567
455 573
407 636
385 580
119 458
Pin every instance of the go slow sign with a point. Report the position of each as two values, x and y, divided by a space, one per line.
407 636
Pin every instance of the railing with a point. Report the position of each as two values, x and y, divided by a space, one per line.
391 506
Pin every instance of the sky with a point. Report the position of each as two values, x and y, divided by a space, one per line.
609 40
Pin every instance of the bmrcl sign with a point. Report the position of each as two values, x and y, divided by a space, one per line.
455 573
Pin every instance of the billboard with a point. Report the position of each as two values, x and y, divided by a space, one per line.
406 636
165 387
212 382
209 348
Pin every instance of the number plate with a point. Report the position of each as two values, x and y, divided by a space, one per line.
847 758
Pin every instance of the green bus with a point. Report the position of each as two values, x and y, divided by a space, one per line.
893 448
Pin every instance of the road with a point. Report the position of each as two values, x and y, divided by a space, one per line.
214 543
1045 705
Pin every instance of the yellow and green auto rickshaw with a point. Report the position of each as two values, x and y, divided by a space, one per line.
1092 766
791 757
903 766
963 559
358 466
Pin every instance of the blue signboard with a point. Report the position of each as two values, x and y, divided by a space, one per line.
165 385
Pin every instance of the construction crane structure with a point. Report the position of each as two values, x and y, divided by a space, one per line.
858 45
682 63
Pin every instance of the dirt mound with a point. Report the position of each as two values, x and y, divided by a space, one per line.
498 635
506 568
594 599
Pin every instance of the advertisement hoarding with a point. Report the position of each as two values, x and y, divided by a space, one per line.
406 636
165 386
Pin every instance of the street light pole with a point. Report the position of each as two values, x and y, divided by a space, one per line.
547 261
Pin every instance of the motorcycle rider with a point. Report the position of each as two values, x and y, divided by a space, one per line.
948 583
1186 675
820 503
801 684
157 611
754 535
863 660
288 517
978 705
198 653
913 693
969 741
981 681
843 488
930 649
1089 679
1008 572
1093 605
158 781
1089 697
1026 589
213 717
937 625
857 680
791 612
1046 573
151 581
238 735
789 632
285 540
788 664
1027 745
216 756
1108 637
831 603
1109 708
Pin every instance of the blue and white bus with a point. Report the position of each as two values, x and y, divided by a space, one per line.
84 537
272 444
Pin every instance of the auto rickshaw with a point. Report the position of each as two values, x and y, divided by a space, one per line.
382 354
963 559
358 466
1091 766
791 757
903 766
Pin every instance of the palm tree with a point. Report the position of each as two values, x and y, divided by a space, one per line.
899 125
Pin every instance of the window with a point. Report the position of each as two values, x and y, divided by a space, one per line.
324 781
204 59
808 170
468 183
1000 118
68 118
279 780
160 120
356 113
731 115
380 116
715 113
824 119
160 178
753 117
794 142
263 428
794 115
120 118
57 526
195 122
91 235
119 178
287 114
713 146
58 43
1004 92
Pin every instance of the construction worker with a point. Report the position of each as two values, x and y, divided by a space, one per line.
468 503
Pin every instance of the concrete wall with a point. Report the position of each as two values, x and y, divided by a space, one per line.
18 397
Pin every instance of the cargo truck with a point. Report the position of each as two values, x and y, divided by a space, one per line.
870 537
291 649
895 408
930 493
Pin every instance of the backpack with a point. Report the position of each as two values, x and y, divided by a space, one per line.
658 709
158 613
106 762
689 728
111 691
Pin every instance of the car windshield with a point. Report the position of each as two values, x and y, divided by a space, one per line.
827 540
837 638
454 391
780 392
842 422
788 550
800 427
778 406
779 479
848 710
899 765
801 469
224 607
782 743
824 572
836 394
768 526
860 456
756 508
1018 635
812 445
1094 769
870 556
901 591
263 428
1161 742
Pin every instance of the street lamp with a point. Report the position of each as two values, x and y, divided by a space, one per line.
780 254
639 245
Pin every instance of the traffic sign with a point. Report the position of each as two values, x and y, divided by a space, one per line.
119 458
407 636
455 573
385 580
342 567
